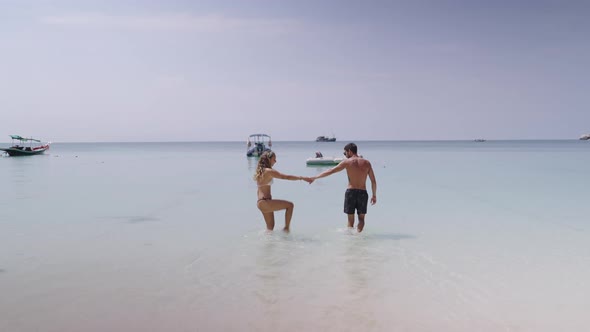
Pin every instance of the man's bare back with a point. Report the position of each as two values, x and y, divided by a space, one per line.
357 170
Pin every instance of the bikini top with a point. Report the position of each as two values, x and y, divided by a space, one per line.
265 184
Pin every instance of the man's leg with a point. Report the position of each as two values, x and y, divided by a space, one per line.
363 199
361 222
349 203
351 220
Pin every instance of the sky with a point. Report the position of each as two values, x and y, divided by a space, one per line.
119 70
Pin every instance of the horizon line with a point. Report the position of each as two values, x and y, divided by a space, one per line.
328 143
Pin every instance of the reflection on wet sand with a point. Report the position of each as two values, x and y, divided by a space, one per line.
280 283
270 262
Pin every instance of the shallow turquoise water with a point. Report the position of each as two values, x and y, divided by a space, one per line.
166 236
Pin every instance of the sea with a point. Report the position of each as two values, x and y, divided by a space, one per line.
465 236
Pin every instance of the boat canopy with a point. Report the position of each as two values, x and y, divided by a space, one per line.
259 138
259 135
22 139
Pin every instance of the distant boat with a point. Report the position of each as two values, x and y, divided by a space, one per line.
479 140
22 149
325 139
257 144
585 137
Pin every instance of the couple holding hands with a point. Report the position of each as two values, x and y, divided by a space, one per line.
355 197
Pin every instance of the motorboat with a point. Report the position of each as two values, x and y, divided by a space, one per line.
585 137
479 140
258 144
325 139
21 148
320 160
323 161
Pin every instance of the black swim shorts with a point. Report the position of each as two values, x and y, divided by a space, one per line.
355 199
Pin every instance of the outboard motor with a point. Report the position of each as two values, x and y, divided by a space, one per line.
259 148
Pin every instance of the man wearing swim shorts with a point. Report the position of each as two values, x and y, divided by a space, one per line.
356 196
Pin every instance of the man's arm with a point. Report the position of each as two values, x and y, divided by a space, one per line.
373 185
332 170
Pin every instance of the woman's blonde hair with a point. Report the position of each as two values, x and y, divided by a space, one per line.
263 162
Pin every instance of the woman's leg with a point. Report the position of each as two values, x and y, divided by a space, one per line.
288 215
269 218
272 205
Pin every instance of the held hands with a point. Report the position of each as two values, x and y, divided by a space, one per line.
307 179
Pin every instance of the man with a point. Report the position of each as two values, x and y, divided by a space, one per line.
356 196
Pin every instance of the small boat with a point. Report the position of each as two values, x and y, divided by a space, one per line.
585 137
323 161
320 160
325 139
479 140
257 144
23 150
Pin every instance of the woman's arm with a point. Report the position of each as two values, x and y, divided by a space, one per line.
279 175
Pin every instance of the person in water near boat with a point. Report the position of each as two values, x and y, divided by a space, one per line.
356 196
264 176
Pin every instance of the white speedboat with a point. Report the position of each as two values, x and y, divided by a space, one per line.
585 137
323 161
257 145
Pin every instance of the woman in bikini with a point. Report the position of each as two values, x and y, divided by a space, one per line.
264 177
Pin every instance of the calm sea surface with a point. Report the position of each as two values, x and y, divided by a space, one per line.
465 236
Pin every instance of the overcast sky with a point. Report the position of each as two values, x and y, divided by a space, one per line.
116 70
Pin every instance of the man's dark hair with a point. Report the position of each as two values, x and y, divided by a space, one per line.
350 147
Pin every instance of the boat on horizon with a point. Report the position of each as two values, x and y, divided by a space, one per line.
325 139
479 140
585 137
257 144
22 149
